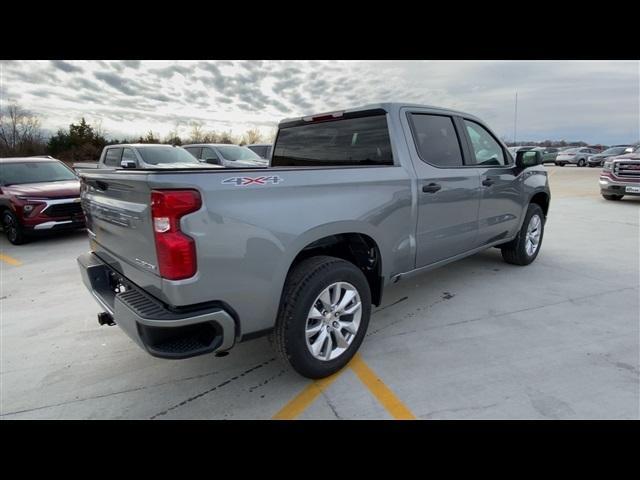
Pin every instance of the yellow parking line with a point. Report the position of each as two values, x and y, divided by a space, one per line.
385 396
10 260
305 398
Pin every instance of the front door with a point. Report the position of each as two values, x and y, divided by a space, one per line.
500 184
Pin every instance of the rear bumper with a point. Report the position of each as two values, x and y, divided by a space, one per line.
161 331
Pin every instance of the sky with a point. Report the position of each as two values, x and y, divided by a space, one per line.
593 101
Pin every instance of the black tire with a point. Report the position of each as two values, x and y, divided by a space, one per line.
515 251
591 165
304 283
612 197
581 162
12 228
560 164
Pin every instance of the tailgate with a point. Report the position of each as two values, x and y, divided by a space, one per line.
117 206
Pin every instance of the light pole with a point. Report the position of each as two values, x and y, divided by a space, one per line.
515 121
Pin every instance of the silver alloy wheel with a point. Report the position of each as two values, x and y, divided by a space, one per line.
333 321
532 240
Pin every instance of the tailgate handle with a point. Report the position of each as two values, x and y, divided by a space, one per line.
98 184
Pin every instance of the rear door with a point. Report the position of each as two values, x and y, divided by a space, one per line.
117 207
501 187
448 189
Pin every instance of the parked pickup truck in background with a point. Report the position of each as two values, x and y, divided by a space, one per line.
143 155
227 155
189 262
620 176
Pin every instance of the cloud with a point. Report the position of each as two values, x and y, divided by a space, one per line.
65 67
119 83
595 101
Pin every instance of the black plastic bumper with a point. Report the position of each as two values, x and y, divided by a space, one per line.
159 330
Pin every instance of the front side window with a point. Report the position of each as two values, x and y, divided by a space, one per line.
195 151
486 149
208 153
436 140
129 155
360 141
112 157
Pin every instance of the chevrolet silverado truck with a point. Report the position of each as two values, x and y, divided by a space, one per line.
620 176
192 262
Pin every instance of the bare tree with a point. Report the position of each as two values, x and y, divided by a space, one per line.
251 136
20 132
196 133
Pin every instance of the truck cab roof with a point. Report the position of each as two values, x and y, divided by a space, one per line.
389 107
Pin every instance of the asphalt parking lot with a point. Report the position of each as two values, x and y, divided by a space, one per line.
477 339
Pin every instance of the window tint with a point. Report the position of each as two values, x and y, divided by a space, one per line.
436 140
195 151
349 141
128 154
486 149
112 158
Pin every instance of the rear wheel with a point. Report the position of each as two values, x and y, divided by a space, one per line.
324 315
560 164
525 247
12 228
607 196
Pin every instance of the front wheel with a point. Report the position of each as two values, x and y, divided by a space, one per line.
323 317
12 228
581 162
525 247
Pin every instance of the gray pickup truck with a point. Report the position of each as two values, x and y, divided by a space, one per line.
190 262
143 155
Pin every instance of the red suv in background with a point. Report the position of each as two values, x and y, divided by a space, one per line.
38 195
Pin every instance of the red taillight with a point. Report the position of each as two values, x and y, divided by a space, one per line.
176 251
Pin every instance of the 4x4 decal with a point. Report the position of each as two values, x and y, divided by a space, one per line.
244 181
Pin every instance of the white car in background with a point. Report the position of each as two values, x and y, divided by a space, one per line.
227 155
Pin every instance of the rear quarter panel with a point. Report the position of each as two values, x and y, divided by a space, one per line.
247 236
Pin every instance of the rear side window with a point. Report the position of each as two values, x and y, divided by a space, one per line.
345 142
112 157
436 140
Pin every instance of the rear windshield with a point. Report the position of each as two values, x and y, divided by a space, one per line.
615 150
34 172
157 155
345 142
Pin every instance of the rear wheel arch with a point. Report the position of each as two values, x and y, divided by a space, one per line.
357 248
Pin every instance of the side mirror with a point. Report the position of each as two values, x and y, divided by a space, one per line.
528 158
214 161
128 164
628 150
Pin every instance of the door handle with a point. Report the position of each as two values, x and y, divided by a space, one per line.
487 182
431 188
